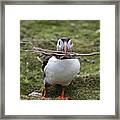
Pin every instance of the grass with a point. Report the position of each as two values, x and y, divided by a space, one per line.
86 38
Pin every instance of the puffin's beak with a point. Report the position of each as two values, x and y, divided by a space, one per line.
65 48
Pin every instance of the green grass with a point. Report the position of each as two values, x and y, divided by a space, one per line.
86 38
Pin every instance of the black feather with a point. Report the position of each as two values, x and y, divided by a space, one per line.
65 39
45 61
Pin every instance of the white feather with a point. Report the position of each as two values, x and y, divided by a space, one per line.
62 72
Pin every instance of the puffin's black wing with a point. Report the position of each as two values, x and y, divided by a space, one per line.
45 61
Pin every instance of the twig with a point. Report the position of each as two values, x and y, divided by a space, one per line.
39 59
61 53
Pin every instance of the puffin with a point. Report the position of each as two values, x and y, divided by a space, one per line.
60 71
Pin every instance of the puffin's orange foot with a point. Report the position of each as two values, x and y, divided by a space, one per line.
62 98
44 96
45 93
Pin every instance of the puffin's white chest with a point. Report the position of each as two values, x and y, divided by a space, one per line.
61 71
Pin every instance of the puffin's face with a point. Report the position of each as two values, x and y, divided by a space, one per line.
64 44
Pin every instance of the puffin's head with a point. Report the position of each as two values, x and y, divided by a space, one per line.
64 44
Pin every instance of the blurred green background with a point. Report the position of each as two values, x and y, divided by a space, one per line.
85 35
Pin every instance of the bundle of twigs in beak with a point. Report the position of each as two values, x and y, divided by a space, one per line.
61 53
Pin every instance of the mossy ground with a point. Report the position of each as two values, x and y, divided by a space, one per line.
86 39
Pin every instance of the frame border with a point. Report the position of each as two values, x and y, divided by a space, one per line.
55 2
